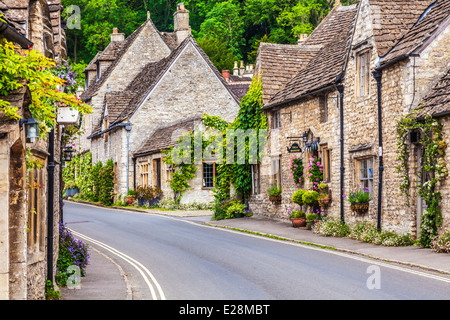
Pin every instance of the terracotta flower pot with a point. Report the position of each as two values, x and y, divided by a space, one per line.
130 200
298 222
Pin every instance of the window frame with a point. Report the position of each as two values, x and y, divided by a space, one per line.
276 173
363 74
215 175
369 176
276 120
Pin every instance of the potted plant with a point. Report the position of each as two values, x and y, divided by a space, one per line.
297 197
296 168
310 219
130 196
274 193
298 218
359 199
324 200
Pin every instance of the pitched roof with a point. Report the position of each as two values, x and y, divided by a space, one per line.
145 81
279 63
152 72
92 89
392 19
437 101
430 22
167 136
329 63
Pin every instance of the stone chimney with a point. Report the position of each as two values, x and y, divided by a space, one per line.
181 25
235 69
242 68
337 3
226 75
116 36
302 38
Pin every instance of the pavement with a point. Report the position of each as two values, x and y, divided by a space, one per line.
105 280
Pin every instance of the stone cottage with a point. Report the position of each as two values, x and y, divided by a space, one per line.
368 66
30 202
145 83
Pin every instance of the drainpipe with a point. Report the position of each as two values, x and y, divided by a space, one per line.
50 205
340 88
377 74
134 172
128 128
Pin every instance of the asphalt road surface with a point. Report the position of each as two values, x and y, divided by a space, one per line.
180 258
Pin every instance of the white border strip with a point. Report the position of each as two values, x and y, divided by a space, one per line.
139 267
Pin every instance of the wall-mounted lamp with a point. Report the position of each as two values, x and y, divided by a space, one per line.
305 137
31 128
67 153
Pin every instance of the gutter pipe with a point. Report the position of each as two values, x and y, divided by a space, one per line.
377 74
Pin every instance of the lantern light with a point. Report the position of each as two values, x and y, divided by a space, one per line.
31 129
67 154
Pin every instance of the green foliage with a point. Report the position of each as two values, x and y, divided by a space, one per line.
50 292
106 183
311 198
218 52
296 167
298 214
433 165
315 171
96 181
441 242
19 67
297 197
274 190
236 210
239 25
78 173
358 195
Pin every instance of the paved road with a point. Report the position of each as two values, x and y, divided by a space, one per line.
179 258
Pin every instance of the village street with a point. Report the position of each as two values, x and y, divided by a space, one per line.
180 258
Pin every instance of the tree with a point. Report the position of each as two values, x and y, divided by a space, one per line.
220 55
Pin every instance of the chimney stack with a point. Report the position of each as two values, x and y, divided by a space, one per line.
181 25
235 69
116 36
226 75
302 38
242 68
337 3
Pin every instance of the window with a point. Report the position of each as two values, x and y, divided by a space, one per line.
323 107
157 172
276 120
362 78
35 214
98 70
326 162
86 81
144 174
365 167
256 178
276 171
210 175
105 121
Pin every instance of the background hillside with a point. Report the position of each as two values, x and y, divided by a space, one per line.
227 30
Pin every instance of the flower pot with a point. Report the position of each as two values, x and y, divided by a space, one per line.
275 198
298 222
309 224
130 200
359 207
324 202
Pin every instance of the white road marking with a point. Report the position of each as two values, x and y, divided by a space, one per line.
139 267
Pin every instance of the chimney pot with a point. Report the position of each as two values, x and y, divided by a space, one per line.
226 75
115 30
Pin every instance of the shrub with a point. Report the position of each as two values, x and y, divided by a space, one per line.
312 217
441 242
106 183
311 198
331 228
298 214
236 209
71 252
274 191
297 197
96 181
358 195
297 168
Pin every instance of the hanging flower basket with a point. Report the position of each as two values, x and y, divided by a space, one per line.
275 198
359 207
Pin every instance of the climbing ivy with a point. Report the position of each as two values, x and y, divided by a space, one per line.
433 165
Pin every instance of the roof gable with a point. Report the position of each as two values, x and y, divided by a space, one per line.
392 19
116 52
323 68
